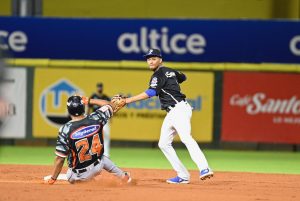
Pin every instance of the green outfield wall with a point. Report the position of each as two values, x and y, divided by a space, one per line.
221 9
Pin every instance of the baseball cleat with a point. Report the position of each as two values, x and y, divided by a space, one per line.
206 174
126 177
177 180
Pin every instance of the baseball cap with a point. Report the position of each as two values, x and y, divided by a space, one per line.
100 85
153 53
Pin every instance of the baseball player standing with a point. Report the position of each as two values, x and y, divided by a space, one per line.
164 83
81 140
92 108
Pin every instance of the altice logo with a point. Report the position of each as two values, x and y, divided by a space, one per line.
178 43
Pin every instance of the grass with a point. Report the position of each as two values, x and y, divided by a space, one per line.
219 160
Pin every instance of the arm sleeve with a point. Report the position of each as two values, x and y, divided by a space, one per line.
180 76
62 147
103 114
150 92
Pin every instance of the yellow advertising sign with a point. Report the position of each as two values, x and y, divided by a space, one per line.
140 121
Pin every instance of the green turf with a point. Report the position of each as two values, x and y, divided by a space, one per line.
219 160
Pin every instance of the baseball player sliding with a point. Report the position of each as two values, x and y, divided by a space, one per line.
164 83
81 140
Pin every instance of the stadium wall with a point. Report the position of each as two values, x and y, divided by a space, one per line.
58 61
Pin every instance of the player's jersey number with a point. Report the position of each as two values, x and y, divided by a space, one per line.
85 151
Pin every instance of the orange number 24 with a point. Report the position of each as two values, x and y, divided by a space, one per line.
85 152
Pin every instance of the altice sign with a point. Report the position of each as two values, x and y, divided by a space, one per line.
15 40
294 45
177 43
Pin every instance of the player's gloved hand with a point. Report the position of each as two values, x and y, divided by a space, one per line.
50 181
85 100
118 101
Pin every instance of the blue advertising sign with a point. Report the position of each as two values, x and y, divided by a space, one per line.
128 39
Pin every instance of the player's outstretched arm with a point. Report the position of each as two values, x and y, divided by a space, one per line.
99 102
90 106
141 96
58 164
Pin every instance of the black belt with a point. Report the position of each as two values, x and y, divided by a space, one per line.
84 169
168 108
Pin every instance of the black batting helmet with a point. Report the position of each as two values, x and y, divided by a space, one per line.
75 105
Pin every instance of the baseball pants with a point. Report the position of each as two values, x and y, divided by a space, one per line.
93 170
178 121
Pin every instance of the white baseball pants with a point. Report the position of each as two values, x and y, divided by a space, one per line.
178 121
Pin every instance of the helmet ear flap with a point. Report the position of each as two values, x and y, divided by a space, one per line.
75 106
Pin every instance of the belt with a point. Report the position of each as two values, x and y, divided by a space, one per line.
170 107
85 169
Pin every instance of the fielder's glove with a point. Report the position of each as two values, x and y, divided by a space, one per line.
118 101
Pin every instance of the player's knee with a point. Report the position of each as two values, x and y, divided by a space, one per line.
162 145
187 139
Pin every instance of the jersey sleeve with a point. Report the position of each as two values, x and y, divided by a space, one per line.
156 83
180 76
62 145
103 114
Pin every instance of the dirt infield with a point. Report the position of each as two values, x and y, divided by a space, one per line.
24 182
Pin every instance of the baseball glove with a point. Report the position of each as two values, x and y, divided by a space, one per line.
118 101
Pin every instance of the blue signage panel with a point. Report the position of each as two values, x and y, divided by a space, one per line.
128 39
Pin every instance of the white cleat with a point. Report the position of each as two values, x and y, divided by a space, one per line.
206 174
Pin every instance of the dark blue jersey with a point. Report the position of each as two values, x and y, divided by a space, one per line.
165 81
